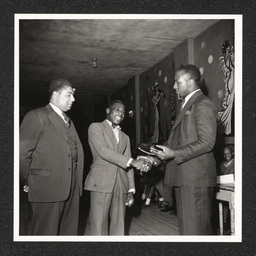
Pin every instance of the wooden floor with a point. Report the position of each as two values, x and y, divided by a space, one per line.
142 221
139 221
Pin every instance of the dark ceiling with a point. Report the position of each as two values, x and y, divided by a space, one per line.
55 48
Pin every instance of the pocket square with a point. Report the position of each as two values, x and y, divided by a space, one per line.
187 112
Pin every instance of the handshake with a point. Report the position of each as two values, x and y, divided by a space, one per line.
143 163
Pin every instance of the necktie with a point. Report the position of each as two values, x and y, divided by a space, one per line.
66 118
182 104
116 129
116 126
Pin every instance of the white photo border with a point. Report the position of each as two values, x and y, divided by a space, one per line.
238 20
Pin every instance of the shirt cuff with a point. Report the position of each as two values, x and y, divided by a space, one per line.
129 162
132 190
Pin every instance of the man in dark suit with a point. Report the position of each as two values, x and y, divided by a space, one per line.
111 177
191 167
51 164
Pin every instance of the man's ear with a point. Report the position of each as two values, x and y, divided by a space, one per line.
107 111
190 82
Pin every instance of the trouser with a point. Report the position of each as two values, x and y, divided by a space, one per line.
168 194
57 218
194 210
107 212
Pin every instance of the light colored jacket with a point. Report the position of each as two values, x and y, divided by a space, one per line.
109 157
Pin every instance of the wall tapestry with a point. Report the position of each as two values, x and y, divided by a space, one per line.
227 65
157 94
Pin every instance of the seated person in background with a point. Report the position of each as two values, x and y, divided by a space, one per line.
227 167
153 185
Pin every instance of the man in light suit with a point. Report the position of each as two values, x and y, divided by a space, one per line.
51 164
191 167
111 177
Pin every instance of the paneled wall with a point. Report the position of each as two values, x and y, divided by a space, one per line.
205 52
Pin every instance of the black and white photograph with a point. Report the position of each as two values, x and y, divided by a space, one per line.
128 128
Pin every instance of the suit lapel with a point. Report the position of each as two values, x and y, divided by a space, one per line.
55 120
110 134
121 140
186 107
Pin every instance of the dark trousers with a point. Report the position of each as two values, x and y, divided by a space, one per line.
57 218
168 194
194 210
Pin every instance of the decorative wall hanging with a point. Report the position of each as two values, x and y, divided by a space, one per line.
201 70
227 65
156 96
210 59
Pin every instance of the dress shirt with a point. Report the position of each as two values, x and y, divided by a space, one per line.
116 132
188 97
58 111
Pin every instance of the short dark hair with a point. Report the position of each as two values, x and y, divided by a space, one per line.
58 84
113 102
192 70
229 148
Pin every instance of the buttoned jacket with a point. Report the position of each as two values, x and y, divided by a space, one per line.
45 156
193 138
109 158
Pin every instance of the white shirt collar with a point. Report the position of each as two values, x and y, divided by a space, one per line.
188 97
56 109
115 130
117 126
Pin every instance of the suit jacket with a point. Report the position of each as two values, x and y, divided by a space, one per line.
45 156
192 138
109 157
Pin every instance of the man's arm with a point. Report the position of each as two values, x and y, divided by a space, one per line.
206 129
206 126
30 130
100 145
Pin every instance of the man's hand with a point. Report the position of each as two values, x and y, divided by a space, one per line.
26 188
141 164
164 154
129 199
149 161
152 160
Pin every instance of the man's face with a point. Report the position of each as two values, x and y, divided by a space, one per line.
182 83
64 98
116 113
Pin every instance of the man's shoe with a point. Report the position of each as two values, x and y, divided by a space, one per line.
168 208
173 213
144 206
163 204
160 204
